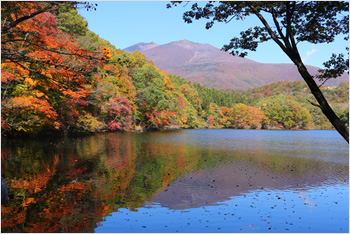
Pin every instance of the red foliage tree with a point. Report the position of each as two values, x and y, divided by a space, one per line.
119 114
210 120
181 102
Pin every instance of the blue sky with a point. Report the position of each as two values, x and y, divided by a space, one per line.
125 23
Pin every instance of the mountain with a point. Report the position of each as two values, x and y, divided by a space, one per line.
142 46
213 68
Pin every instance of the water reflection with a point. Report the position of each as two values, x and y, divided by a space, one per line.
246 174
72 184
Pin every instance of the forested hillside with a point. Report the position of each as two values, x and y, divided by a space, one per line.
59 77
298 92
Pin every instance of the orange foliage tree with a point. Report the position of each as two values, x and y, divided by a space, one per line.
42 69
243 116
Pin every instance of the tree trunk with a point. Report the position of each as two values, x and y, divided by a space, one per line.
323 104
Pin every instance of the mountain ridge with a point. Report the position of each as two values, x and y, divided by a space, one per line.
213 68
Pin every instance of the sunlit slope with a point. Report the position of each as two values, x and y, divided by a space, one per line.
208 66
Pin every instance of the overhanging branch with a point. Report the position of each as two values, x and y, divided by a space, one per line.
268 28
23 18
314 104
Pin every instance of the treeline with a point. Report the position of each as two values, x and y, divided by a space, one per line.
280 105
298 91
57 76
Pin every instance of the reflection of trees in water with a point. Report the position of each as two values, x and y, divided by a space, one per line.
70 184
50 197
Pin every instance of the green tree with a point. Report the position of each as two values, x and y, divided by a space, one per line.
148 83
284 112
287 24
344 117
69 21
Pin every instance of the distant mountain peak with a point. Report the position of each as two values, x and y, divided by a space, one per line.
179 53
213 68
192 45
184 43
142 46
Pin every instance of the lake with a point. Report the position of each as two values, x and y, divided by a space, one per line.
215 180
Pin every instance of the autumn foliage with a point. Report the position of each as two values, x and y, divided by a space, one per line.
42 69
57 76
119 114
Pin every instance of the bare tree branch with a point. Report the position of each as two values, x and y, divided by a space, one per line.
314 104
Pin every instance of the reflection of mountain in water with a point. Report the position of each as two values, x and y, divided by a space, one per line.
207 187
70 184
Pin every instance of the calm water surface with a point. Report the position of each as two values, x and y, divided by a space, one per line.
178 181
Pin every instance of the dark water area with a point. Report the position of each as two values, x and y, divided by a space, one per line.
178 181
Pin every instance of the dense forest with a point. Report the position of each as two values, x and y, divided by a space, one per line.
59 77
